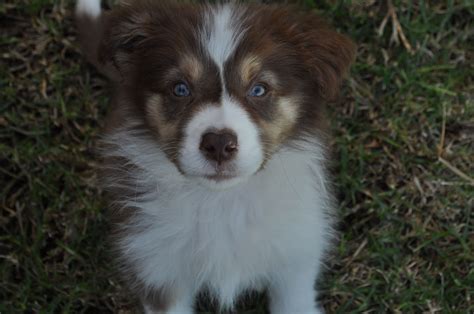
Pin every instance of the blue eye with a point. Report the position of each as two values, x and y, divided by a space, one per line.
258 91
181 90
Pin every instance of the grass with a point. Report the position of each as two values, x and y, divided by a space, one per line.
404 164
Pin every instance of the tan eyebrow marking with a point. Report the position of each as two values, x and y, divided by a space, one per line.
270 78
249 66
192 67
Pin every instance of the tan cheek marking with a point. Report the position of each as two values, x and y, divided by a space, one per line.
286 116
166 130
249 67
288 107
191 66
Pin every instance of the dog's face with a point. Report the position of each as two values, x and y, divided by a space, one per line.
222 88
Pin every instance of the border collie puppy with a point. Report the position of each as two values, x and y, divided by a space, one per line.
215 149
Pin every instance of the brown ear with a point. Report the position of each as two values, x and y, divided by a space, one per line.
327 53
125 29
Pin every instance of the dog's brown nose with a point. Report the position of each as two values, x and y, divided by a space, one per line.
219 147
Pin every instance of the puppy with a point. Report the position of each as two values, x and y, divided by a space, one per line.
215 149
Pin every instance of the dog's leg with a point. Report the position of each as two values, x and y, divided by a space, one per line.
178 303
179 308
292 291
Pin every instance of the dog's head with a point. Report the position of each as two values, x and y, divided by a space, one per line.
222 88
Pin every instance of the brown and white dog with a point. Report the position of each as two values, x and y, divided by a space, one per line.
215 148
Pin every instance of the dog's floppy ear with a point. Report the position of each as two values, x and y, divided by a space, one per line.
125 30
327 53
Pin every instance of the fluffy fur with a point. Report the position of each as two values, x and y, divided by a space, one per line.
184 223
187 237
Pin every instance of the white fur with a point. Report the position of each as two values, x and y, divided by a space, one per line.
228 115
88 7
268 231
221 33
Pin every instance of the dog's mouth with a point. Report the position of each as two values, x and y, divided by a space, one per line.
216 173
220 177
221 181
218 180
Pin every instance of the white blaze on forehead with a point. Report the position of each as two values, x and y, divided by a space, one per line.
222 32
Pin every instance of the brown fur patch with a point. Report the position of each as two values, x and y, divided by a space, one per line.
300 58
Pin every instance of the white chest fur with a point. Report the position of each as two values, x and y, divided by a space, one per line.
231 239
